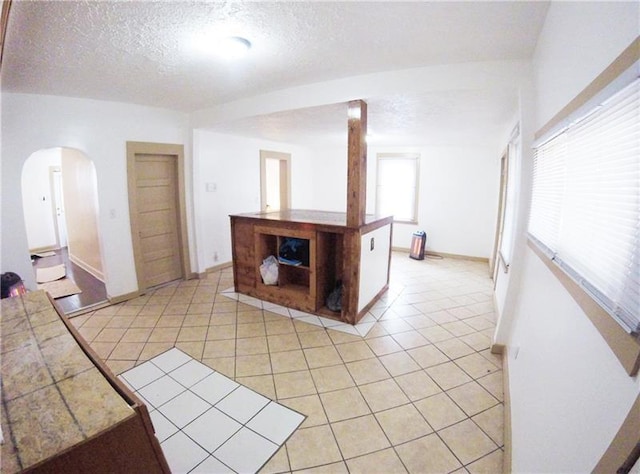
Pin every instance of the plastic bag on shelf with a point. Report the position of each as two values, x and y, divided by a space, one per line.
269 270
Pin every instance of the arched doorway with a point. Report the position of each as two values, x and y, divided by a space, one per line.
60 205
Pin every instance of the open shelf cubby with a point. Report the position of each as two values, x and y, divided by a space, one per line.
294 281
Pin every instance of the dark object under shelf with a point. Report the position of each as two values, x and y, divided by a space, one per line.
334 300
294 250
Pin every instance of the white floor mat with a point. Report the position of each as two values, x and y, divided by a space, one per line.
46 274
205 421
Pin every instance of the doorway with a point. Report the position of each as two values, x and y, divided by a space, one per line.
504 173
275 181
57 200
155 175
505 227
60 208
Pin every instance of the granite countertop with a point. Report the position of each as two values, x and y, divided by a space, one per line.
53 396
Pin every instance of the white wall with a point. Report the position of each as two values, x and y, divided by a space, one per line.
569 394
329 171
37 198
458 193
579 40
79 185
458 198
374 264
100 130
233 164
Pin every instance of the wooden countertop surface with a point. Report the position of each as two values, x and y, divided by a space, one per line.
306 216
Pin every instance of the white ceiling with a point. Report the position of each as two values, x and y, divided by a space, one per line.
139 52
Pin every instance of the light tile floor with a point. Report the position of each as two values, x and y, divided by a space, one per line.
420 392
361 329
205 421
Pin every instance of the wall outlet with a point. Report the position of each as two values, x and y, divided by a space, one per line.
215 256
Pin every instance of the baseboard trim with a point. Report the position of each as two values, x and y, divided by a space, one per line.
122 298
216 268
432 253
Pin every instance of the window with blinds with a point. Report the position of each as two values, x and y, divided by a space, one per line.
585 206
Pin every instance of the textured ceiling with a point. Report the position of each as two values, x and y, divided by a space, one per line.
141 52
461 117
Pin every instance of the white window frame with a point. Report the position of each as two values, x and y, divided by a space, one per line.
414 159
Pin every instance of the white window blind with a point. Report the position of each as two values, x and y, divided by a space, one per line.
397 186
585 208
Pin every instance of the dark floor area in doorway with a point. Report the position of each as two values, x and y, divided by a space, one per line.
93 290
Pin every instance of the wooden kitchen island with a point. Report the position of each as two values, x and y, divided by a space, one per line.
358 257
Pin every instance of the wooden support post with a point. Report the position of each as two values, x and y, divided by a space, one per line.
357 163
351 276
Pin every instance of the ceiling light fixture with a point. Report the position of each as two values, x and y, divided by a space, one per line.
233 47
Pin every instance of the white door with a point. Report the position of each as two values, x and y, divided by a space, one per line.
275 180
58 205
272 170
